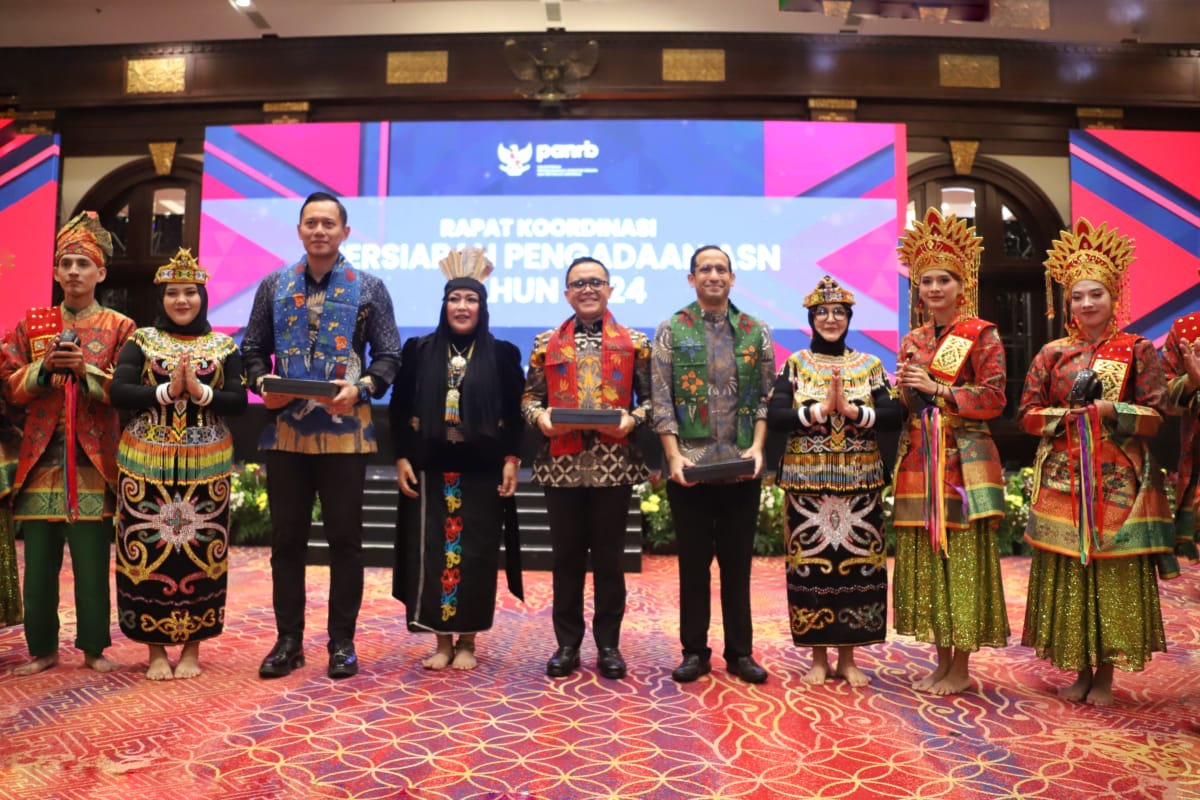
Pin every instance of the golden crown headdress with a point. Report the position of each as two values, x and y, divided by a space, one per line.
1089 253
946 243
182 268
469 262
828 291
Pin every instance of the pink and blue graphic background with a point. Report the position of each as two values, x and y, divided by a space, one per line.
28 210
1147 185
831 196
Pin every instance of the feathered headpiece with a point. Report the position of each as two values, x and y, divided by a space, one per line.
828 291
469 262
1089 254
84 235
182 269
946 243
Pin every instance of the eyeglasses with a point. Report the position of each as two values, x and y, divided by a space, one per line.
591 283
838 312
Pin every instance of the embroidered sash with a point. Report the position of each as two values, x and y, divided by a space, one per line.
563 389
326 358
1112 362
955 347
42 325
689 363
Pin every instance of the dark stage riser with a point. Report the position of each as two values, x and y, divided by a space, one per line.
379 525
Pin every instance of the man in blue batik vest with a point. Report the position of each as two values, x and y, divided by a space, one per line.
317 318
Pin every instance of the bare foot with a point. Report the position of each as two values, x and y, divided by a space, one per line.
1080 688
1101 691
956 679
160 667
819 672
441 658
37 665
464 655
189 661
848 670
853 675
817 675
951 684
100 663
943 668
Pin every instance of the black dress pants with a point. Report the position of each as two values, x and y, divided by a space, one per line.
715 519
294 480
583 520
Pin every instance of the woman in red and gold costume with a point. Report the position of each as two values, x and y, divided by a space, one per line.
1181 360
949 493
1099 523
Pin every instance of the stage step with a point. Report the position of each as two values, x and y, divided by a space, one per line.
379 525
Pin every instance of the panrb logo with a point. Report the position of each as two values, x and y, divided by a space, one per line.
514 161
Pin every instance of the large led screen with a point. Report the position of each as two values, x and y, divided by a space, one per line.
1147 185
28 212
791 201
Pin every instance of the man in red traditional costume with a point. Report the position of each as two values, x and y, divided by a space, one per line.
588 362
58 367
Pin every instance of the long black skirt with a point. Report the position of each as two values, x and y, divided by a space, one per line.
447 552
836 569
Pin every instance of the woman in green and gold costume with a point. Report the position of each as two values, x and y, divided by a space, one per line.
175 459
1099 523
949 487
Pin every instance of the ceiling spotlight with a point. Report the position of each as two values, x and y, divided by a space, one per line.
241 5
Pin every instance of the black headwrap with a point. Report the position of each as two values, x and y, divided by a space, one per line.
197 327
819 343
480 406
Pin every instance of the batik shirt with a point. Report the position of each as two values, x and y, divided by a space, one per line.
721 443
305 426
600 463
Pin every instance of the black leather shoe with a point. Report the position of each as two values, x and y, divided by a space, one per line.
343 661
611 663
693 667
746 668
564 661
285 656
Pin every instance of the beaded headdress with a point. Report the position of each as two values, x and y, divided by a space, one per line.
1089 253
828 291
947 243
181 269
84 235
469 262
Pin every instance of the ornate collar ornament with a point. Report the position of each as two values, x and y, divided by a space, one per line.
1089 253
83 235
947 243
469 262
828 291
182 269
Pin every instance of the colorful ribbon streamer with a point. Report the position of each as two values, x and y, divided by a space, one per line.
933 443
71 474
1085 444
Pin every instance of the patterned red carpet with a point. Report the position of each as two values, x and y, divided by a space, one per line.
505 731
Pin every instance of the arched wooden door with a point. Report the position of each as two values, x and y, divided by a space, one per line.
150 216
1017 222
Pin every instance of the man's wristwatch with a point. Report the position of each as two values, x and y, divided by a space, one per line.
364 390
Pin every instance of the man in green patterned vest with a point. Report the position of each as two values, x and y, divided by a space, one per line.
711 373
